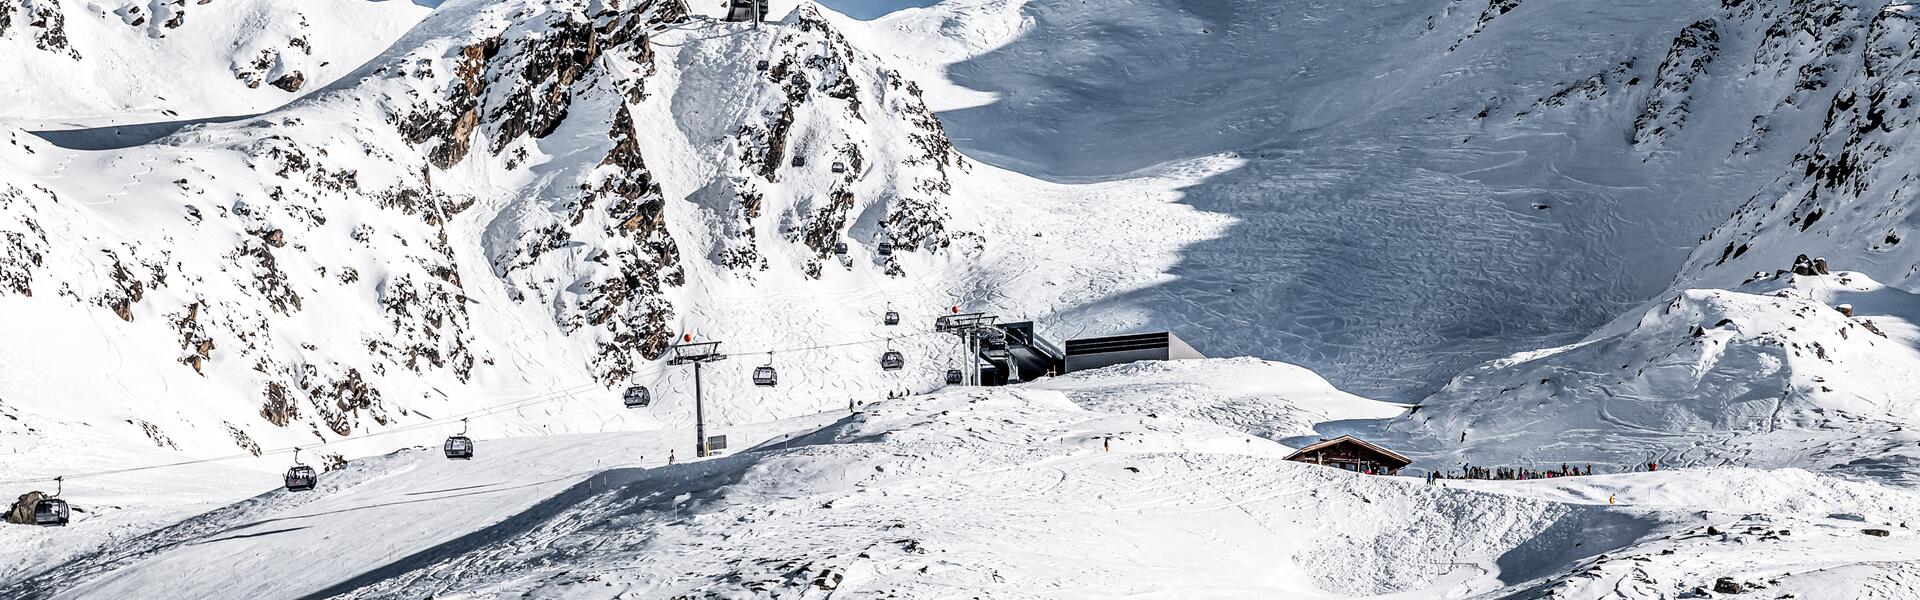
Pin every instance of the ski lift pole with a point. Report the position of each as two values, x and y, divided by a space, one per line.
699 404
697 354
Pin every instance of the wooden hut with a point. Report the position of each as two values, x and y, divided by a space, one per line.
1353 454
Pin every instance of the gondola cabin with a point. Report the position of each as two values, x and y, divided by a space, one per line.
954 377
1353 454
301 478
765 376
637 397
891 318
840 248
51 511
839 167
892 360
886 248
799 161
459 447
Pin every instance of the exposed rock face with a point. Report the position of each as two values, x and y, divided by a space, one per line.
319 255
1666 108
1848 191
23 244
1727 585
40 20
1495 8
628 210
448 126
290 82
816 75
340 399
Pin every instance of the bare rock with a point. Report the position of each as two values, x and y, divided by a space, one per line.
291 82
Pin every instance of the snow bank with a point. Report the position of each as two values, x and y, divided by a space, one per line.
1772 375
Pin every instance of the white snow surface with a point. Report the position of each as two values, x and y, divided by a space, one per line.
1486 232
132 62
1771 374
1078 489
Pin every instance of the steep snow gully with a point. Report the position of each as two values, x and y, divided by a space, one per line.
1544 235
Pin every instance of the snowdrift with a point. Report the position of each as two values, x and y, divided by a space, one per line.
1773 374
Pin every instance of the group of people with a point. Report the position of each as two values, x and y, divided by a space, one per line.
1511 473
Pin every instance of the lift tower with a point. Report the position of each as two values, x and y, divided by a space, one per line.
969 327
697 354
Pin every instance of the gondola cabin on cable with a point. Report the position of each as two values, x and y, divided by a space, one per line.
762 65
839 167
765 376
301 478
886 248
459 447
891 318
799 161
742 11
840 248
39 508
954 377
892 360
51 511
637 397
1353 454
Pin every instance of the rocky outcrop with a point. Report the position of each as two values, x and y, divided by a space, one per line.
342 398
1665 111
291 82
1600 86
1494 9
447 126
625 304
41 20
1847 191
23 244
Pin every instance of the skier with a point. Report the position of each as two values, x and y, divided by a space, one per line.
670 458
1609 499
1653 466
1463 437
1107 444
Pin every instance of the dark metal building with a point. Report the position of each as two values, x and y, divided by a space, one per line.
1093 353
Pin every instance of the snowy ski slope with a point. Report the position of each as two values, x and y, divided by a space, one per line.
1487 232
1009 492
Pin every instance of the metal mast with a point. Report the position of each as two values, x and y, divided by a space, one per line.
697 354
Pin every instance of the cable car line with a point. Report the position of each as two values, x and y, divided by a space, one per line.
891 360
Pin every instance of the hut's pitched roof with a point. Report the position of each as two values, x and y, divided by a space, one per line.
1404 461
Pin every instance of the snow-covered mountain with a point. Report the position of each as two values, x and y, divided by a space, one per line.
1506 232
517 207
1751 356
74 64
